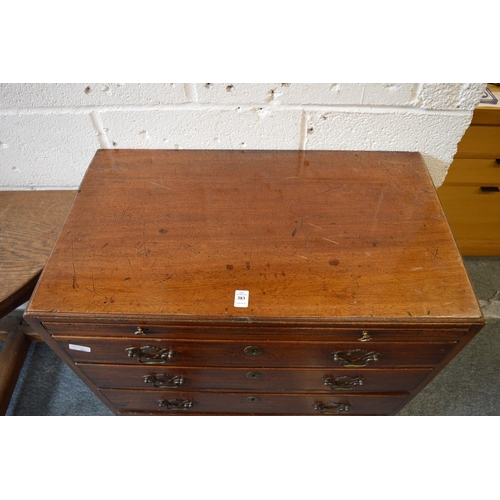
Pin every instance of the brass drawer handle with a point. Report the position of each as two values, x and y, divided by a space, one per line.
140 331
344 383
150 355
332 408
253 350
356 358
162 381
366 337
253 399
253 375
176 404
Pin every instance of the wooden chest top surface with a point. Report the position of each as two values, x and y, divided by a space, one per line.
313 236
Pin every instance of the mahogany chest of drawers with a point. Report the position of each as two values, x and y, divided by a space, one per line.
255 282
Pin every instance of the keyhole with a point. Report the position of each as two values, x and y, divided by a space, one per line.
253 399
252 350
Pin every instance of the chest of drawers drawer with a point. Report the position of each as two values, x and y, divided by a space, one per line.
364 334
134 402
256 283
261 379
247 353
480 141
474 172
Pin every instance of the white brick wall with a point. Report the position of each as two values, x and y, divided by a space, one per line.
50 131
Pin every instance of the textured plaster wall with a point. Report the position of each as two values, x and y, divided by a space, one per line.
49 132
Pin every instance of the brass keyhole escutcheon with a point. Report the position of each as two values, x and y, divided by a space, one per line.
253 375
253 350
253 399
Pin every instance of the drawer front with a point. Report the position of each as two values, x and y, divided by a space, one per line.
472 214
474 171
263 380
184 403
484 115
268 333
311 354
480 141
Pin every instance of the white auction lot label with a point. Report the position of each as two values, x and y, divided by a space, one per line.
82 348
241 298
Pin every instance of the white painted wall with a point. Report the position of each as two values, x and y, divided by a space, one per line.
49 132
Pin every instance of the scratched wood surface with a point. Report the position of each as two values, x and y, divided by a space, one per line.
315 236
29 224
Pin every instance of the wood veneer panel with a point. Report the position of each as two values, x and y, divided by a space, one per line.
128 401
231 352
312 235
269 379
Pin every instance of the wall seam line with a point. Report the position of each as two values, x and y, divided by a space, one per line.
99 128
191 92
303 131
417 89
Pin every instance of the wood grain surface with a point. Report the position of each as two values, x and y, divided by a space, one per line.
313 236
270 379
279 404
231 352
29 224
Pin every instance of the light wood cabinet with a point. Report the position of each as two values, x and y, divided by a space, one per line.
470 193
